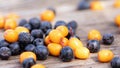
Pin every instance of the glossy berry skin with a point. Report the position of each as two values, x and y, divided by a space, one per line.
58 23
38 41
15 48
30 47
37 33
3 43
35 23
108 39
71 32
22 22
115 63
27 63
45 26
24 38
93 46
5 53
73 24
66 54
28 26
41 52
47 32
84 4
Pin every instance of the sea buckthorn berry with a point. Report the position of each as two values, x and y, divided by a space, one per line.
117 4
82 53
38 66
2 22
15 48
96 5
63 30
47 15
5 53
35 23
28 63
105 56
66 54
94 35
108 39
93 46
41 52
59 23
52 9
21 29
10 35
64 42
55 36
26 55
45 26
22 22
47 40
54 49
115 63
47 32
10 24
13 16
74 43
117 20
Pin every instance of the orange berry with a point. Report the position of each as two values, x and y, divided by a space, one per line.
94 35
47 40
26 55
63 30
47 15
64 42
105 55
2 22
21 29
55 36
10 24
82 53
117 20
96 5
74 43
117 4
54 49
12 16
38 66
10 35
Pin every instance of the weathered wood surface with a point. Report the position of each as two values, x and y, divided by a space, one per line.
87 20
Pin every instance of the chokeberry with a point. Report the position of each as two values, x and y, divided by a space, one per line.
45 26
38 41
22 22
30 47
41 52
66 54
108 39
93 46
73 24
5 53
115 63
47 32
24 38
3 43
37 33
27 63
28 26
84 4
15 48
35 23
58 23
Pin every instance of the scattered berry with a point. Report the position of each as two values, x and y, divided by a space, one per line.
28 26
84 4
96 5
2 22
37 33
35 23
21 29
38 66
30 47
3 43
52 9
38 41
73 24
47 40
115 63
108 39
58 23
47 32
66 54
93 46
22 22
